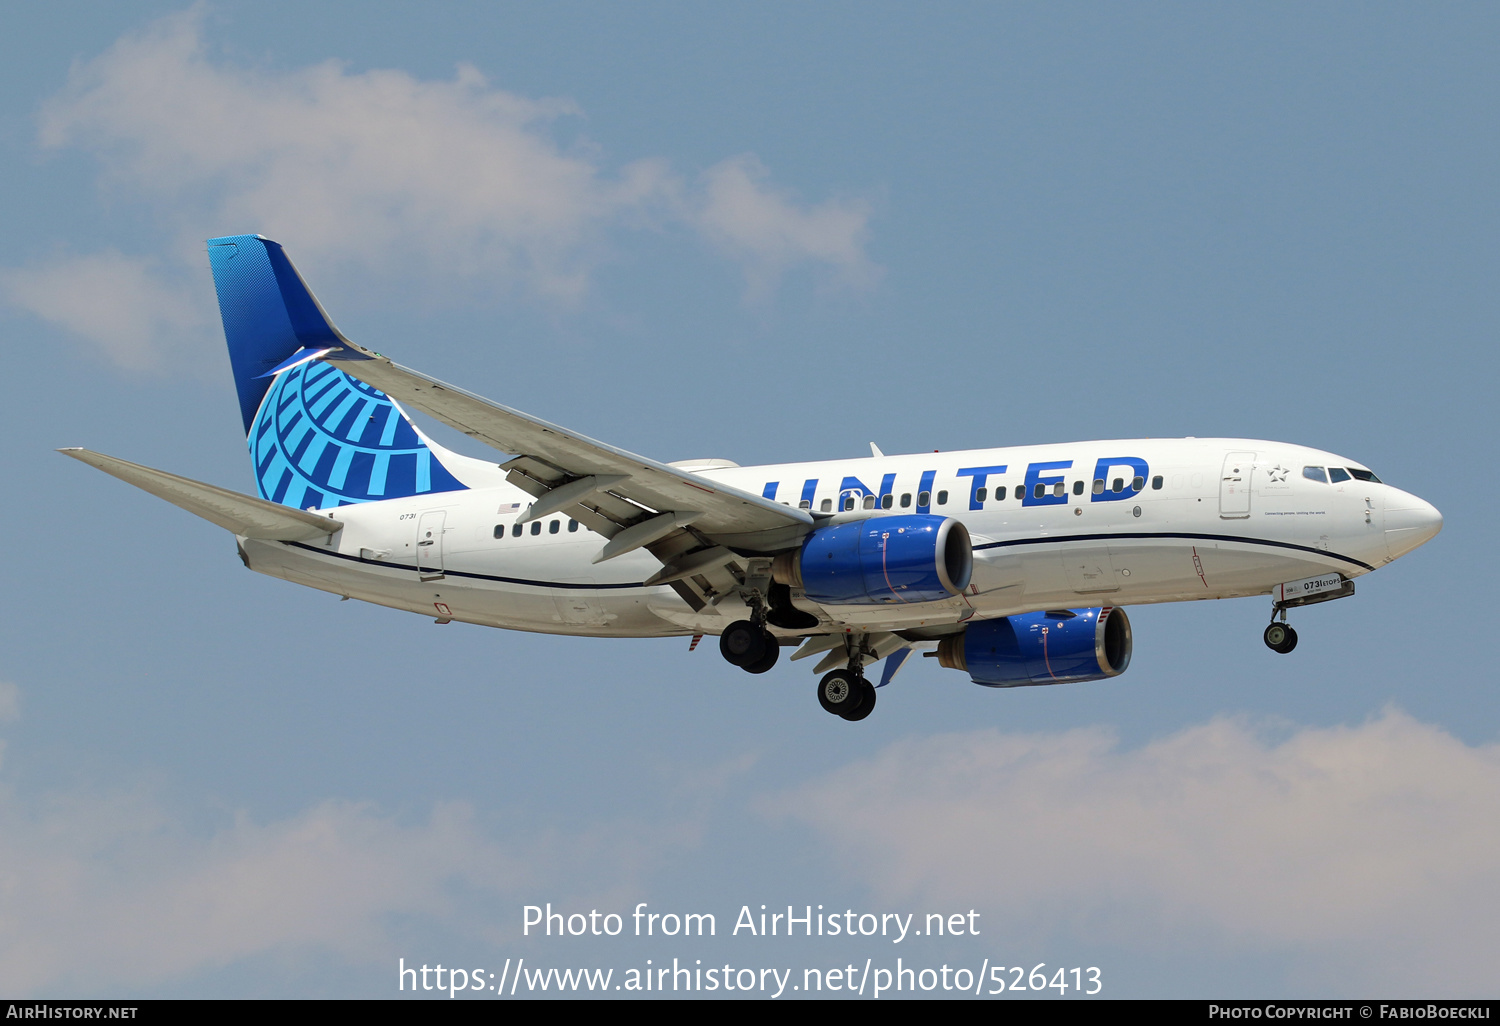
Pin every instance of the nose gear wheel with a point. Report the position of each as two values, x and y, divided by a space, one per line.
1280 637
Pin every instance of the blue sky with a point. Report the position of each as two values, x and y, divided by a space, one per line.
766 233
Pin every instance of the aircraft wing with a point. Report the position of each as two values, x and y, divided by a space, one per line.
242 514
631 500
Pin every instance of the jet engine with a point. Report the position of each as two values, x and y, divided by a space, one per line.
890 559
1064 646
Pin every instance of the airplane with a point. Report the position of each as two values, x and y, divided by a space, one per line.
1009 564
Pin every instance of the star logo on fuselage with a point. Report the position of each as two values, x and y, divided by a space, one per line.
1279 473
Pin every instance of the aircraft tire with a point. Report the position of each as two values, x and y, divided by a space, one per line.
1290 642
1275 636
742 643
1280 637
840 693
867 706
768 659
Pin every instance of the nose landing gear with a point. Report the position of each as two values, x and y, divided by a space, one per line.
1280 637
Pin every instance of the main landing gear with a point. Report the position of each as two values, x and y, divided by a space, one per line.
1279 637
847 693
754 649
749 646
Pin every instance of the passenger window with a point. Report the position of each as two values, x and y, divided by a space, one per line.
1077 487
1098 486
1119 485
827 505
572 526
942 498
499 530
924 498
981 494
554 526
1000 494
869 502
1038 491
1059 489
1315 474
805 504
848 503
536 527
905 499
1337 475
1136 484
887 501
515 530
1156 483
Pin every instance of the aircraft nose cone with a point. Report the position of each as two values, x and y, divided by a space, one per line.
1409 521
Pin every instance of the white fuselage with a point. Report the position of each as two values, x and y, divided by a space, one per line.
1212 518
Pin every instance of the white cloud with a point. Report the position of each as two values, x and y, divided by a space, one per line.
123 304
111 892
107 890
1367 851
766 229
439 182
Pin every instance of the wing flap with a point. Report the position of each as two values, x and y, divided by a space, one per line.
241 514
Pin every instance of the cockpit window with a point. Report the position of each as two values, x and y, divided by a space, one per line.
1315 474
1364 475
1337 475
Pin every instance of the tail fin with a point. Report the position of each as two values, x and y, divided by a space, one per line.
319 438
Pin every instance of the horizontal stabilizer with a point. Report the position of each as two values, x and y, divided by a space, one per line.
242 514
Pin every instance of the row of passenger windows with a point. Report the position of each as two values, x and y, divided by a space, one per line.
983 494
888 500
1338 475
553 526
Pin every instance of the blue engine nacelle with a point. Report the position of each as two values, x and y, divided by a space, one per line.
881 559
1064 646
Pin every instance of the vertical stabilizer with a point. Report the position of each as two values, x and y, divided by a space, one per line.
319 438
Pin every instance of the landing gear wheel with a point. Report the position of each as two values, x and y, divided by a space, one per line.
867 706
840 692
743 643
1290 642
768 660
1280 637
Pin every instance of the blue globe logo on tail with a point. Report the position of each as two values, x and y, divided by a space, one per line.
323 439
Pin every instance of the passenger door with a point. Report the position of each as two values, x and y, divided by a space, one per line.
1234 486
